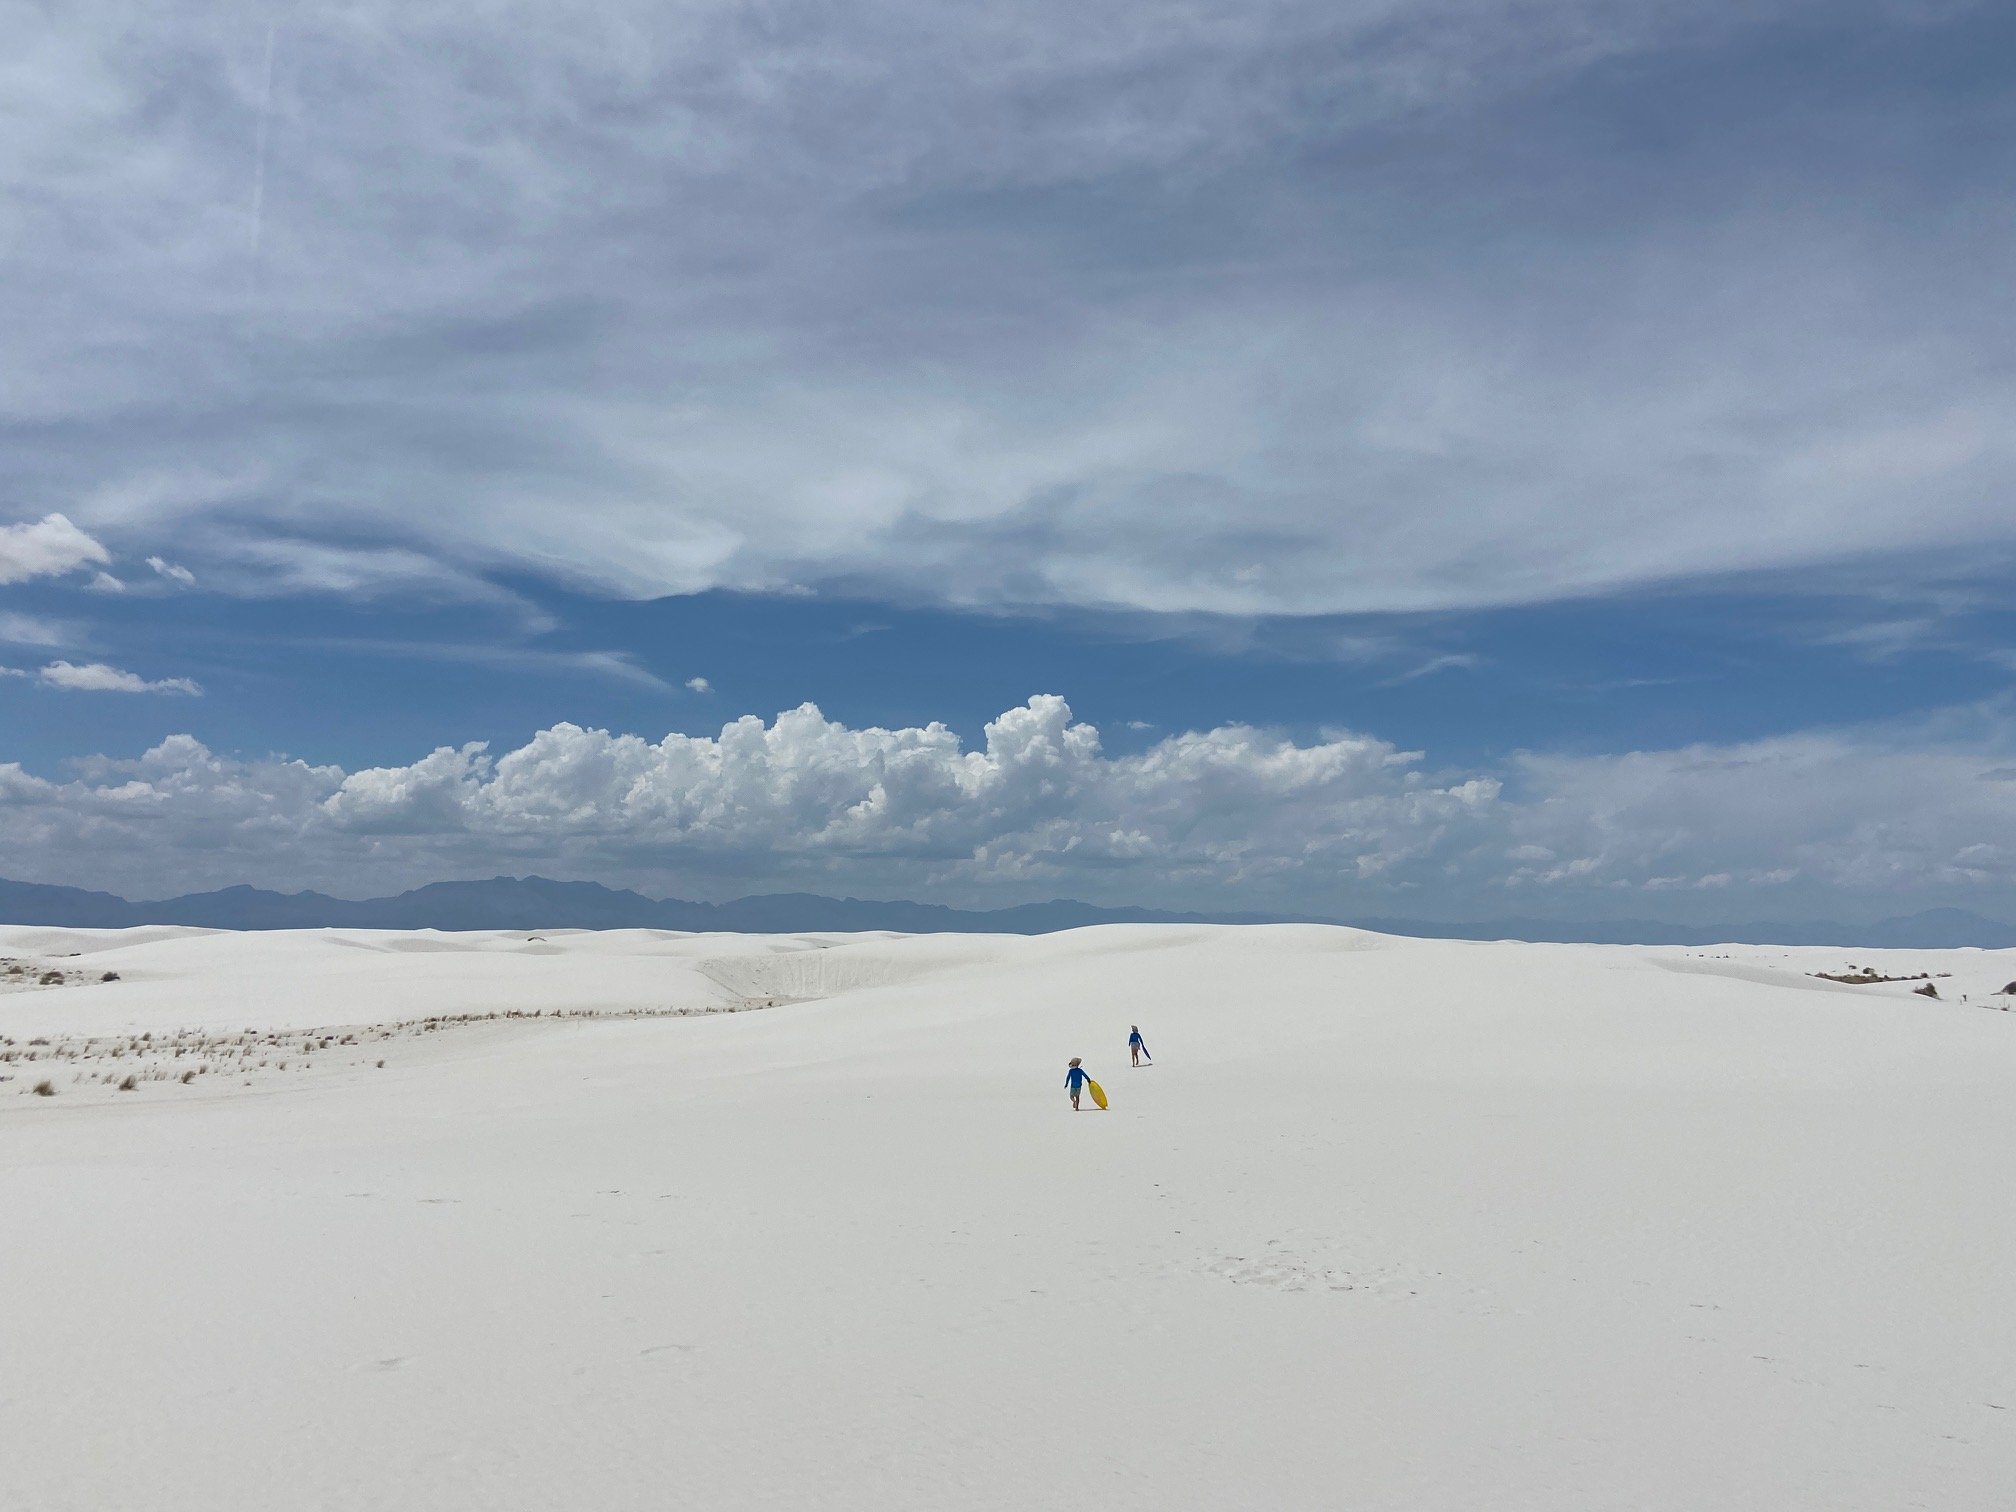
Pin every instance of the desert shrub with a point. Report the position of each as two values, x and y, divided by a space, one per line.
110 976
51 979
131 1084
45 1088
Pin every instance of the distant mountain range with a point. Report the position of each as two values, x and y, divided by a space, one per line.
540 903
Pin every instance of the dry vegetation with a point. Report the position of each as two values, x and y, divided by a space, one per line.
1862 976
184 1057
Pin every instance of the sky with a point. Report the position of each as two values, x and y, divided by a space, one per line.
1448 460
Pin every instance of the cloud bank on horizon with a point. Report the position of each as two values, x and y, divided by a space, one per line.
1228 813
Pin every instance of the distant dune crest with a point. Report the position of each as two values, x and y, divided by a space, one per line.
542 903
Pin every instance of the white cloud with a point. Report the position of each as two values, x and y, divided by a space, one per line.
699 685
97 677
1232 817
172 572
48 547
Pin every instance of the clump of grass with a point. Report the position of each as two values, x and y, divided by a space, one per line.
51 979
110 976
45 1088
131 1084
188 1077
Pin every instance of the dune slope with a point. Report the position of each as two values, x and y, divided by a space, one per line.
1395 1224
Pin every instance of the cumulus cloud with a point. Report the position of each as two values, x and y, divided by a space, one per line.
1232 817
48 547
98 677
1283 307
699 685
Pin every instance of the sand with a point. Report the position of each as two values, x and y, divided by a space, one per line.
754 1222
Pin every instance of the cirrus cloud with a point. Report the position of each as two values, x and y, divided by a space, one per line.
1284 307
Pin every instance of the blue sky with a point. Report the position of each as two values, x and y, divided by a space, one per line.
368 685
1461 460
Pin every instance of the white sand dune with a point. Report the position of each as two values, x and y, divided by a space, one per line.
1391 1224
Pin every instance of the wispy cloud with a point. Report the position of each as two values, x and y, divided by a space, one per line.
98 677
1434 664
612 666
34 630
172 572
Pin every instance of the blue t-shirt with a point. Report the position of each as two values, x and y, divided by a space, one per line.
1134 1038
1074 1078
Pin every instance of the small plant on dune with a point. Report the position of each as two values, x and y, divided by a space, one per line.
52 979
110 976
131 1084
188 1077
45 1088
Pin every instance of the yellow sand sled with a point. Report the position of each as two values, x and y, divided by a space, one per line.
1098 1092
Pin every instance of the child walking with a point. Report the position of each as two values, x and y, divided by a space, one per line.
1137 1049
1074 1080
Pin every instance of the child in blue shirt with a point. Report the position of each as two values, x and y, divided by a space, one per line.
1074 1081
1136 1048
